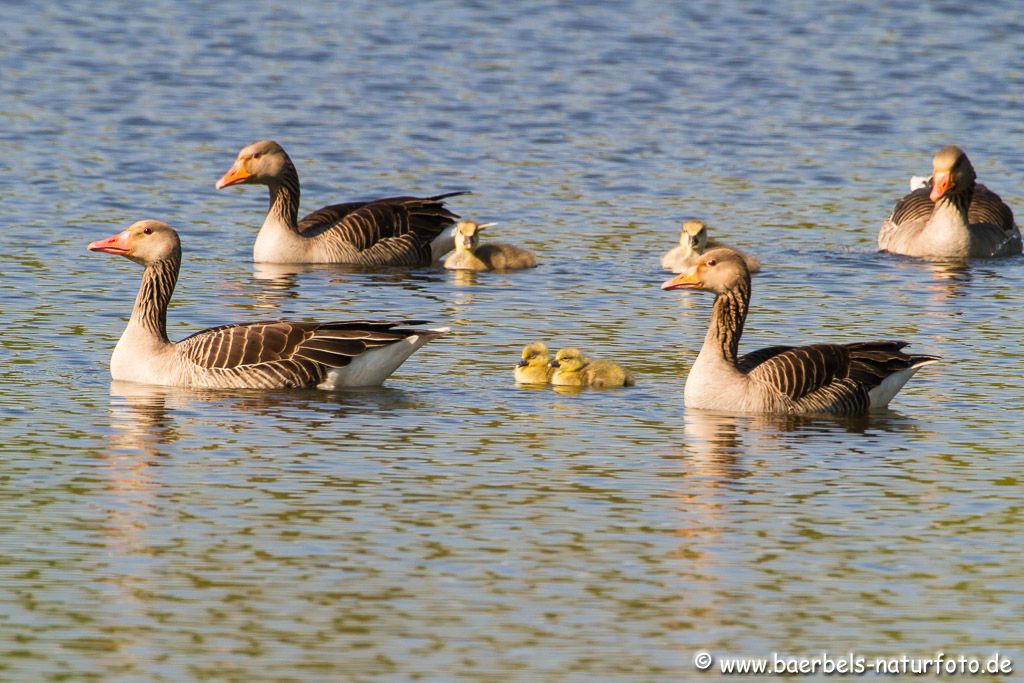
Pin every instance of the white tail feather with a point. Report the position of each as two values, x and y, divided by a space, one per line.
890 386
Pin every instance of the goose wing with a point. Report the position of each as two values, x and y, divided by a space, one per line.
287 353
396 231
833 378
986 207
914 207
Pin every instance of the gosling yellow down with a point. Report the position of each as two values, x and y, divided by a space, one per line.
469 254
693 241
534 366
573 369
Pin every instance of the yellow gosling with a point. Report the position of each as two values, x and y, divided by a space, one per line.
470 255
574 369
533 367
693 241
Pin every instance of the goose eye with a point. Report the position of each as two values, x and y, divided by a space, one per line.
147 231
257 155
711 261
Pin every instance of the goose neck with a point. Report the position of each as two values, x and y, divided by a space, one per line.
158 280
284 199
727 318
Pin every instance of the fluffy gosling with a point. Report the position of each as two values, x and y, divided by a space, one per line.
469 255
573 369
693 241
533 367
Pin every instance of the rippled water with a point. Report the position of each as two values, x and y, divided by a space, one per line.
451 526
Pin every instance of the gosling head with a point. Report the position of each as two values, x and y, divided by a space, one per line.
694 236
534 355
145 242
718 271
467 234
569 360
952 173
261 163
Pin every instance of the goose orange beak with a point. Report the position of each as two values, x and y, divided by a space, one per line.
687 280
115 244
940 183
238 173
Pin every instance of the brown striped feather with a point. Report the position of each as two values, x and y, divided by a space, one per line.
986 207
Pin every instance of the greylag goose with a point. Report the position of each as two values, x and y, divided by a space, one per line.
533 367
265 355
573 369
952 217
397 231
693 241
821 378
469 255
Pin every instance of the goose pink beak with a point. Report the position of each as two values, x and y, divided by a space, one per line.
115 244
238 173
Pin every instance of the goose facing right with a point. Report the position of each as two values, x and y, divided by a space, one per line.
397 231
264 355
840 379
950 216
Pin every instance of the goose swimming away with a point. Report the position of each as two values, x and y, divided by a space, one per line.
397 231
469 254
264 355
840 379
573 369
951 216
693 241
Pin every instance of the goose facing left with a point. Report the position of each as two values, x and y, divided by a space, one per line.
839 379
396 231
263 355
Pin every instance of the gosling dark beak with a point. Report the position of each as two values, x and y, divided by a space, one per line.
522 363
554 364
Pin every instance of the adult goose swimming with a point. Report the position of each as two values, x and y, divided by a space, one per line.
265 355
397 231
840 379
951 217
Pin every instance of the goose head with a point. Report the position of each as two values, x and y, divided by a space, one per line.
534 355
145 242
718 271
261 163
952 173
467 235
694 236
569 360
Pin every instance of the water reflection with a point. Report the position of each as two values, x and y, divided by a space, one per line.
139 419
714 435
146 419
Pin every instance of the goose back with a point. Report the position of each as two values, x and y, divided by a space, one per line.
397 231
280 354
828 378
